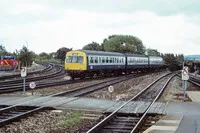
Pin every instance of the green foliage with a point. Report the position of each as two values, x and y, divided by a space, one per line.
61 53
75 117
44 56
173 59
3 50
92 46
152 52
25 56
123 44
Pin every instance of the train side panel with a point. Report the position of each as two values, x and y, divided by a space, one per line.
137 62
94 62
155 62
105 62
81 63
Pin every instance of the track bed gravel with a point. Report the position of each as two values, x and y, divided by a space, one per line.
49 122
174 93
127 89
67 121
60 88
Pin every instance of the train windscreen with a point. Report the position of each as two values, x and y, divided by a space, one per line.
74 59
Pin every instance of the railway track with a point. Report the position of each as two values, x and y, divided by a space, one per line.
16 85
58 71
13 113
18 111
195 80
7 88
129 123
89 89
192 79
47 67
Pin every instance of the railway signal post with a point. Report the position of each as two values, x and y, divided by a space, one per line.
23 75
185 77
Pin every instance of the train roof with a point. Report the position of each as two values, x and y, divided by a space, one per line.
136 55
91 52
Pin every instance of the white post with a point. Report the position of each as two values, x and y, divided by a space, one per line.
24 85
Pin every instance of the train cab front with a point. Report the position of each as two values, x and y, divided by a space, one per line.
75 64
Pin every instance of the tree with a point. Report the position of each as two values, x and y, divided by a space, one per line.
52 54
92 46
173 62
26 56
123 44
3 50
44 55
61 53
152 52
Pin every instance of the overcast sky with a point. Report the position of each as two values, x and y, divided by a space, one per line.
170 26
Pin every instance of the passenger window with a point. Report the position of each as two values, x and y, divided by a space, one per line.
91 59
110 59
115 60
106 59
96 60
99 59
103 60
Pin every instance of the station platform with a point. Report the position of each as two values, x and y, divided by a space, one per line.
194 95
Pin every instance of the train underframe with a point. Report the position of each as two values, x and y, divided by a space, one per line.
90 74
106 73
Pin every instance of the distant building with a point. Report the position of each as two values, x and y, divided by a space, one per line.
193 58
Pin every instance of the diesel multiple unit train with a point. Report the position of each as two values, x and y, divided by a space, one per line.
82 63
